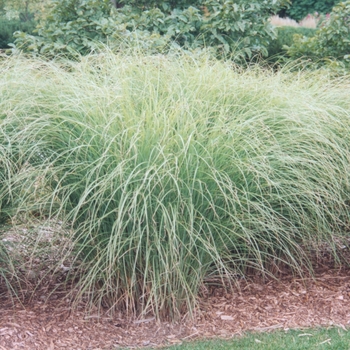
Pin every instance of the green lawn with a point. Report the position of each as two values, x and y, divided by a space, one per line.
333 338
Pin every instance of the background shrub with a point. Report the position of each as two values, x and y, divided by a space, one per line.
8 27
25 11
70 26
229 26
285 37
330 42
299 9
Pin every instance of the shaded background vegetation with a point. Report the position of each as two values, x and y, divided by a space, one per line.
301 8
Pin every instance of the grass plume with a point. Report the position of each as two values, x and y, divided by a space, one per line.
171 169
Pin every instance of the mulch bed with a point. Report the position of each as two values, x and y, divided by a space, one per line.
254 305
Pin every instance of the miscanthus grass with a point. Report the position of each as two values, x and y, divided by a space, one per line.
9 162
176 170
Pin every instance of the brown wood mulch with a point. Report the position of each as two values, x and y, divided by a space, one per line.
253 306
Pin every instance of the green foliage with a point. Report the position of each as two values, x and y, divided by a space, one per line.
229 26
331 43
241 26
180 27
285 37
7 28
24 11
165 5
71 26
171 169
301 8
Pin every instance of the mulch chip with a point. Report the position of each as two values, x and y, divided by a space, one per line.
252 306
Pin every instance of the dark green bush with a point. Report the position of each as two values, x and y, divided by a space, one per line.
301 8
285 37
7 28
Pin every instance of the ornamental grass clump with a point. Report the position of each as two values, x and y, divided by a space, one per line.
5 171
173 170
4 200
8 277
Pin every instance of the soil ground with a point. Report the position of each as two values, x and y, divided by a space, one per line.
253 305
